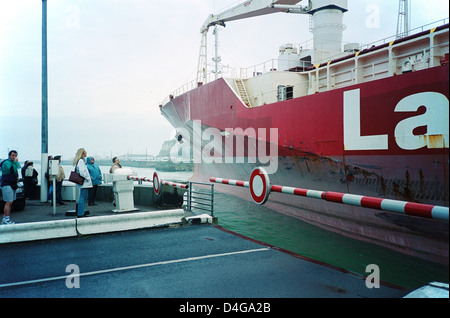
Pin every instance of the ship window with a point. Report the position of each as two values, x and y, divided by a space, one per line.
285 92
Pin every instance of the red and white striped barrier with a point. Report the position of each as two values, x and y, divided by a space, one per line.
139 179
157 182
230 182
260 187
175 185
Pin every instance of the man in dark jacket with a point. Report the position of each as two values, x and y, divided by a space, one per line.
10 176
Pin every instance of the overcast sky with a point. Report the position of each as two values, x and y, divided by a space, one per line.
112 62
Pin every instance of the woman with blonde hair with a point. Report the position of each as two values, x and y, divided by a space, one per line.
82 169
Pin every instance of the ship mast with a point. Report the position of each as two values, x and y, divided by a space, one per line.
403 19
202 70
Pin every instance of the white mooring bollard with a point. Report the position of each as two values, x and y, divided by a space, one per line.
123 190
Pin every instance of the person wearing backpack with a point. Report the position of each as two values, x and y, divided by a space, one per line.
10 175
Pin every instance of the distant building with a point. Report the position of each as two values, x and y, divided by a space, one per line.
138 157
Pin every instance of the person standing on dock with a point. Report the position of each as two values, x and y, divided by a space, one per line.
59 181
10 176
30 179
96 176
116 165
24 167
84 172
48 179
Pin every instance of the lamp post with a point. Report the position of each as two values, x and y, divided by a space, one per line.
44 131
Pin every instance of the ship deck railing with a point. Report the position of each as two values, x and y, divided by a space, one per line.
331 80
410 32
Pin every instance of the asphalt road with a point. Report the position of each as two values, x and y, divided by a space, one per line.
198 261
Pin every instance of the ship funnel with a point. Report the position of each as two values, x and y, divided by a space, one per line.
327 26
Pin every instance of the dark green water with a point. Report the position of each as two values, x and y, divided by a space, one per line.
265 225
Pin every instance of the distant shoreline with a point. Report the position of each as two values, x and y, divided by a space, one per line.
158 165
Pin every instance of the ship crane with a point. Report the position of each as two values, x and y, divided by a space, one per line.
327 26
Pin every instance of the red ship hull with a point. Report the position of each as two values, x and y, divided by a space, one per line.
313 153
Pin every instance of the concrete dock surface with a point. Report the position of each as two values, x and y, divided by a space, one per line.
175 260
36 211
39 221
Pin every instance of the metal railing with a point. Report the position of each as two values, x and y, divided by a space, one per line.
411 32
200 197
